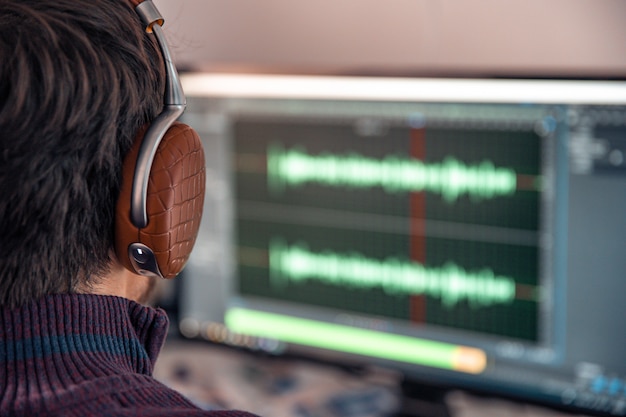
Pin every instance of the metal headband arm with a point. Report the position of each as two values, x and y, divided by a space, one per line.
174 106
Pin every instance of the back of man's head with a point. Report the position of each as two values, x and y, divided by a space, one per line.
77 80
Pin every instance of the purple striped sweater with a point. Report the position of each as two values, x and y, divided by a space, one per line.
86 355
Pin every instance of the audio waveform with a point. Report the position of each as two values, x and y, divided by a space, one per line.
450 283
450 178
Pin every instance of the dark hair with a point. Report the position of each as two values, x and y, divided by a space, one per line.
77 80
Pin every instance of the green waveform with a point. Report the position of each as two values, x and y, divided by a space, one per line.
449 283
450 178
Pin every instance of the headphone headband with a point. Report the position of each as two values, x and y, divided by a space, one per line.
148 13
174 106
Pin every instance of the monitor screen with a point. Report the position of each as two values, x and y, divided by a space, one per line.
468 233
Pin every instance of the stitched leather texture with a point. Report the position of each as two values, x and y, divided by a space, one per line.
174 204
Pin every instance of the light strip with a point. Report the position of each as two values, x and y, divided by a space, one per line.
404 89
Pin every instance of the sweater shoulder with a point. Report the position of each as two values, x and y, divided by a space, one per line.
125 396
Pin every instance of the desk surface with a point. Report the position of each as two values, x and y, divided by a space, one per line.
216 377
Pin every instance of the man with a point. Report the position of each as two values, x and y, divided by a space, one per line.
78 79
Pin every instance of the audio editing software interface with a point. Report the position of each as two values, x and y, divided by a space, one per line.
467 242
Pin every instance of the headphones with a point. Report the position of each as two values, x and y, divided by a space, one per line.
163 180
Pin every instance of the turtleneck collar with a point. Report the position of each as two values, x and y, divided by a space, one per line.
62 340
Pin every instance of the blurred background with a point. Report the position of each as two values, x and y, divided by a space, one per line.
536 39
564 38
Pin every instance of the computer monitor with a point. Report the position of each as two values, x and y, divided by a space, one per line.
470 233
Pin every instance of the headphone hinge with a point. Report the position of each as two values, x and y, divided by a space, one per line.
149 15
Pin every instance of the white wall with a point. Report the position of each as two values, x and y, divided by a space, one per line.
532 37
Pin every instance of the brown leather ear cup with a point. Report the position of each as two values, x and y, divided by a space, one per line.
174 203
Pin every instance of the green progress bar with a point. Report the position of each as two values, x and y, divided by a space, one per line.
353 340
